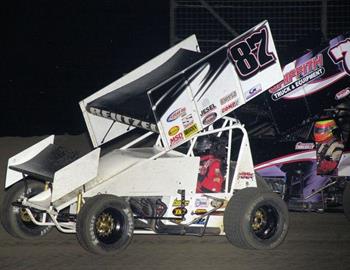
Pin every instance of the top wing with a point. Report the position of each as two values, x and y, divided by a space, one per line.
184 94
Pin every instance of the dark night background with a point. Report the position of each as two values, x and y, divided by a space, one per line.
55 53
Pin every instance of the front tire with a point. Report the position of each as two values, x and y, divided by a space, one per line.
105 225
14 219
256 220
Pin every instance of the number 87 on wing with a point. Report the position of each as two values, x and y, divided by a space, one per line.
255 60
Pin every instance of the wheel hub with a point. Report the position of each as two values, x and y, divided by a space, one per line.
24 215
105 224
258 220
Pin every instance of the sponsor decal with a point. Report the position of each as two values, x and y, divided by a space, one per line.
176 221
199 212
342 93
176 139
178 211
304 146
190 131
124 119
208 109
245 175
253 91
229 107
299 72
201 202
176 114
227 98
200 221
210 118
302 74
187 120
298 83
173 130
177 202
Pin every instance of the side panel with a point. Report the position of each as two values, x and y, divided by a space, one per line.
160 177
75 174
12 176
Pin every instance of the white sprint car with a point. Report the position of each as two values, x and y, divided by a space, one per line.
198 176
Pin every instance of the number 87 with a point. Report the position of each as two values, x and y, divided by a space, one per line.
251 55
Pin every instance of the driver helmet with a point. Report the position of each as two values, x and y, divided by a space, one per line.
203 145
323 130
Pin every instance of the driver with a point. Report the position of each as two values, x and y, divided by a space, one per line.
329 146
210 176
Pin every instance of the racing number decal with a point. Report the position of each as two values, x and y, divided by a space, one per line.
244 59
251 55
341 54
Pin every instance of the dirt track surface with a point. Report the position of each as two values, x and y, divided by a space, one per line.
315 241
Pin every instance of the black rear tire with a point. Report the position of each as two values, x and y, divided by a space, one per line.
256 220
14 219
105 224
346 200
